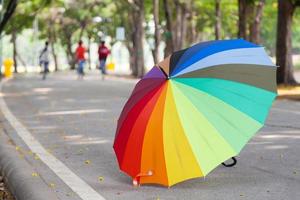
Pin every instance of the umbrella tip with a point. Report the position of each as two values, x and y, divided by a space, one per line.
135 183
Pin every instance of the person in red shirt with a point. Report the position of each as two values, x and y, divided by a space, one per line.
103 52
80 58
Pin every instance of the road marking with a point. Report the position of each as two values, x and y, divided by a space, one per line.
81 188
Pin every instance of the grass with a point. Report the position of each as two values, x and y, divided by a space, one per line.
288 92
297 66
4 193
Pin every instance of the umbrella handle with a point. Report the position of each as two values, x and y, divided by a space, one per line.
231 164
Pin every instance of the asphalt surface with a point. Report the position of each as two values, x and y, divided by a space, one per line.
75 121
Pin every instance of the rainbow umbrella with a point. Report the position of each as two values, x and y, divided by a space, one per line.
194 110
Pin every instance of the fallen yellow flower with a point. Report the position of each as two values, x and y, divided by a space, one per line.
100 178
34 174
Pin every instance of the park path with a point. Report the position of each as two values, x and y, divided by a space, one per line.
75 121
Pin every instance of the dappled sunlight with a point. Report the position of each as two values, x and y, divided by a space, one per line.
69 100
42 98
278 136
286 110
281 131
42 90
14 94
276 147
259 143
82 140
288 92
72 137
91 141
73 112
112 99
42 127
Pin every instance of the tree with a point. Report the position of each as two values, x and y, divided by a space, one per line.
286 10
156 30
250 15
131 15
242 31
48 19
9 10
177 14
218 19
74 23
21 19
256 21
168 29
138 16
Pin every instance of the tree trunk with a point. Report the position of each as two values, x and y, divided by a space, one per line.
191 37
242 32
52 38
156 31
54 56
255 25
70 54
183 27
169 27
132 61
89 52
139 38
250 16
218 19
68 47
128 20
83 25
137 15
21 61
8 12
284 42
15 52
177 29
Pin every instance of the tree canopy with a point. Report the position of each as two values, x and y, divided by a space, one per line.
176 24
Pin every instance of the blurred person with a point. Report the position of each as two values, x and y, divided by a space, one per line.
44 60
103 52
80 58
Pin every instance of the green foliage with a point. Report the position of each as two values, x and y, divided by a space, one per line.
269 24
296 31
24 15
70 20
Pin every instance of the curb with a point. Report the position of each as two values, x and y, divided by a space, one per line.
17 174
72 180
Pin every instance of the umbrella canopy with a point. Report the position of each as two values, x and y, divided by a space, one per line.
194 110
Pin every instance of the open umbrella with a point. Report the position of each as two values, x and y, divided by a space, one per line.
194 110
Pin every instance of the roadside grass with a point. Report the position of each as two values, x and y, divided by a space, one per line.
288 92
297 66
4 193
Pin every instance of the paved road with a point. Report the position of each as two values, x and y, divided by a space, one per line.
75 121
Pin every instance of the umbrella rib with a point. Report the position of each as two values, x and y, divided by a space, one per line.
163 71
